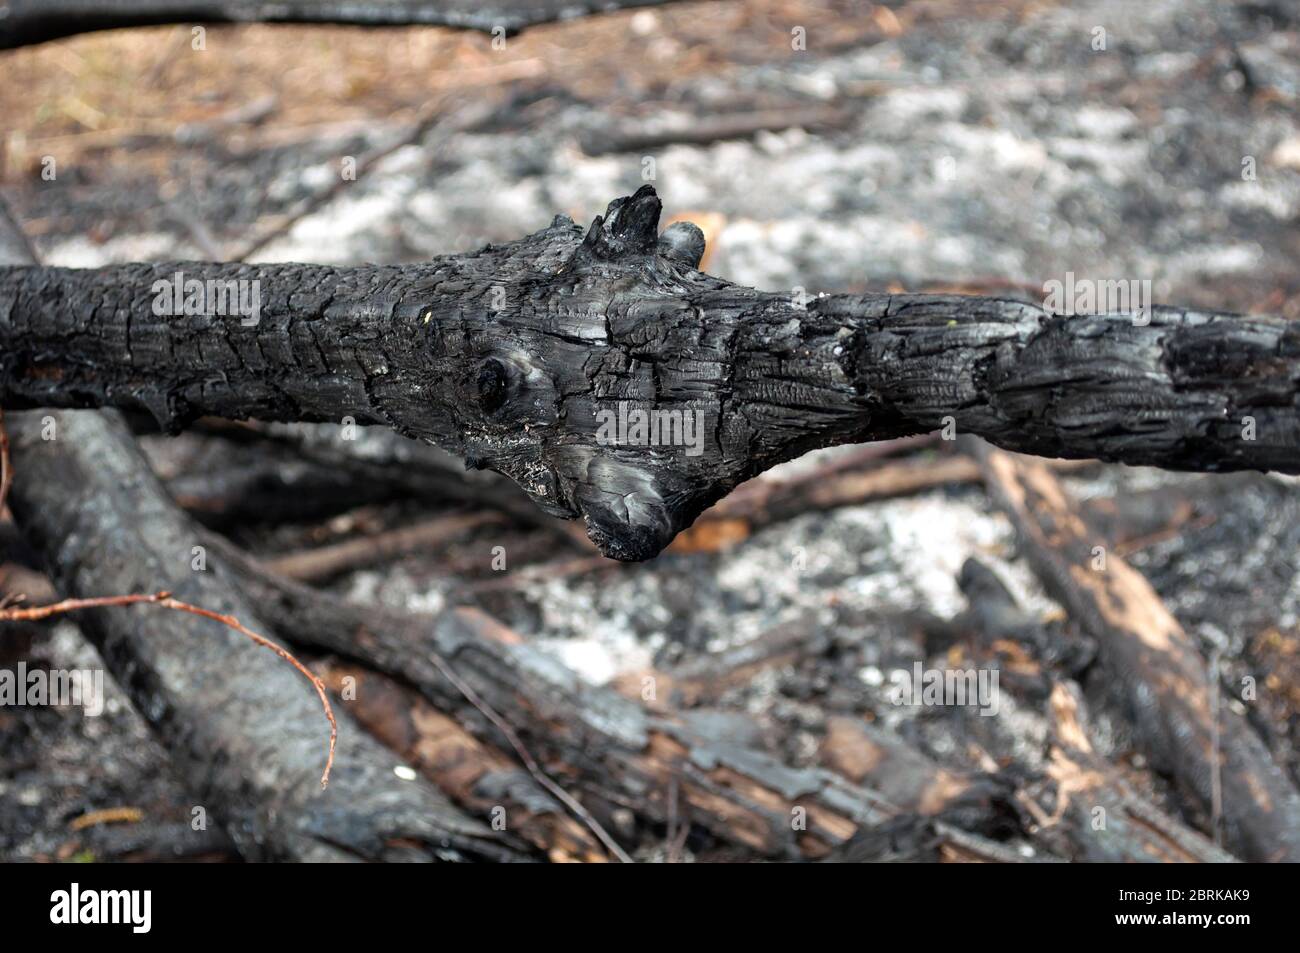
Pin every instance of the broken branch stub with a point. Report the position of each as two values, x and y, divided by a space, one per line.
613 381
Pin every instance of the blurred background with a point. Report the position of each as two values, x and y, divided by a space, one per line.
968 145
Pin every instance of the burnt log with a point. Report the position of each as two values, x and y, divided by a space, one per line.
613 381
1153 666
36 21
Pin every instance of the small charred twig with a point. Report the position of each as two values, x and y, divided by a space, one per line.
314 565
644 134
530 357
108 815
165 600
529 762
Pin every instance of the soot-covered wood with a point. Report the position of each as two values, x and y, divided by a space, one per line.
509 356
35 21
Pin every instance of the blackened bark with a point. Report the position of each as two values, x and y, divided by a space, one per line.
35 21
514 358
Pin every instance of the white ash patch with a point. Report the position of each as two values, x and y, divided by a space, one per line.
396 588
81 252
890 557
1278 196
600 658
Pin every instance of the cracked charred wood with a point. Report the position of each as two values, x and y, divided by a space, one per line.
1155 669
36 21
613 381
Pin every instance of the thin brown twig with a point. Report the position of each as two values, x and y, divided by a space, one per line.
530 763
165 600
108 815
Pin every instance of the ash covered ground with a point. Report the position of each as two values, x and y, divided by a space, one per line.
981 147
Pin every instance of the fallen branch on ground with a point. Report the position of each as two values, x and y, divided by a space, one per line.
234 720
531 358
614 748
1157 670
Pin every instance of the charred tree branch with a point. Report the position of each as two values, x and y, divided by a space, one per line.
612 380
36 21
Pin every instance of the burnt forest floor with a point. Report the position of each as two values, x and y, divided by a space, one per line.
982 147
